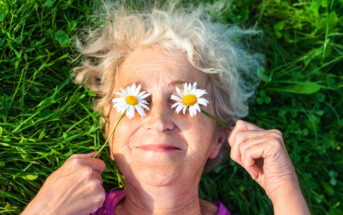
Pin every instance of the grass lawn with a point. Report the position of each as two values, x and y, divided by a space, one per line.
44 117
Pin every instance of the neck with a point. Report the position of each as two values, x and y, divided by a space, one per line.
171 199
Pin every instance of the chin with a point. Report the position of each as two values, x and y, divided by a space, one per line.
157 175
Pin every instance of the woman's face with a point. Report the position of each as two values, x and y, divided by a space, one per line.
197 138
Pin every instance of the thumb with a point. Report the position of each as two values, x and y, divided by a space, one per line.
253 171
93 153
229 132
89 155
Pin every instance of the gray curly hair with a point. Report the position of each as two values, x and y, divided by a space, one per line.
211 47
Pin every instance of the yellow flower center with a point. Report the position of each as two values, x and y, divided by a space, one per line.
189 100
131 100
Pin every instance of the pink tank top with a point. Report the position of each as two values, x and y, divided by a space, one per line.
114 196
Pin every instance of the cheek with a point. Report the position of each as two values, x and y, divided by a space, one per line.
200 137
121 136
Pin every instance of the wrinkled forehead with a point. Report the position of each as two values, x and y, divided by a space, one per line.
155 68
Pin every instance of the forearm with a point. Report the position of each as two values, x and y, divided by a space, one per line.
32 209
289 200
37 207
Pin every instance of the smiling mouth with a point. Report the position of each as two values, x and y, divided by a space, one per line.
159 148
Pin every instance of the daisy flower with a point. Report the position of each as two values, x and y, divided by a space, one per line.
131 100
190 98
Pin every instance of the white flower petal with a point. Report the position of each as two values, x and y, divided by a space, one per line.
143 102
184 110
115 100
185 89
120 94
124 92
140 110
120 106
175 104
176 98
145 95
121 101
138 89
146 107
128 90
197 108
202 101
179 92
178 108
192 111
199 93
185 86
133 89
194 86
130 111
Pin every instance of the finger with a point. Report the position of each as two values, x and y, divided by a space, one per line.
242 126
262 149
94 163
249 161
97 176
87 173
95 155
86 176
240 138
89 155
278 135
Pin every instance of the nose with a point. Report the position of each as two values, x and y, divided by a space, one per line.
159 118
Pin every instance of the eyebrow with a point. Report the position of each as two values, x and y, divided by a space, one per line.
176 82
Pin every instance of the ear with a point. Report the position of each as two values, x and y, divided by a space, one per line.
219 143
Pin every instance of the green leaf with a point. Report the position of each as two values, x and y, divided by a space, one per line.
1 17
62 37
332 173
333 181
332 19
48 3
278 27
299 88
324 3
328 188
30 177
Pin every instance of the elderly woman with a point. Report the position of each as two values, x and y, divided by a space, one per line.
147 59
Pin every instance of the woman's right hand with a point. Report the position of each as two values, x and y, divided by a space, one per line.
75 188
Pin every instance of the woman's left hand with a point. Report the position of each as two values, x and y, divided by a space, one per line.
263 154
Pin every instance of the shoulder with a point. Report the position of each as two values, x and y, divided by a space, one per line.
222 210
215 208
112 199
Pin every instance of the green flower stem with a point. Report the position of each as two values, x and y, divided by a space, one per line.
219 121
103 146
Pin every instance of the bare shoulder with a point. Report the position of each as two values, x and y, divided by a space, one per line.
208 208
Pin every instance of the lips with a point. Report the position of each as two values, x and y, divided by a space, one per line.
159 147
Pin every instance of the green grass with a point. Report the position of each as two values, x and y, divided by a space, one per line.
44 117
